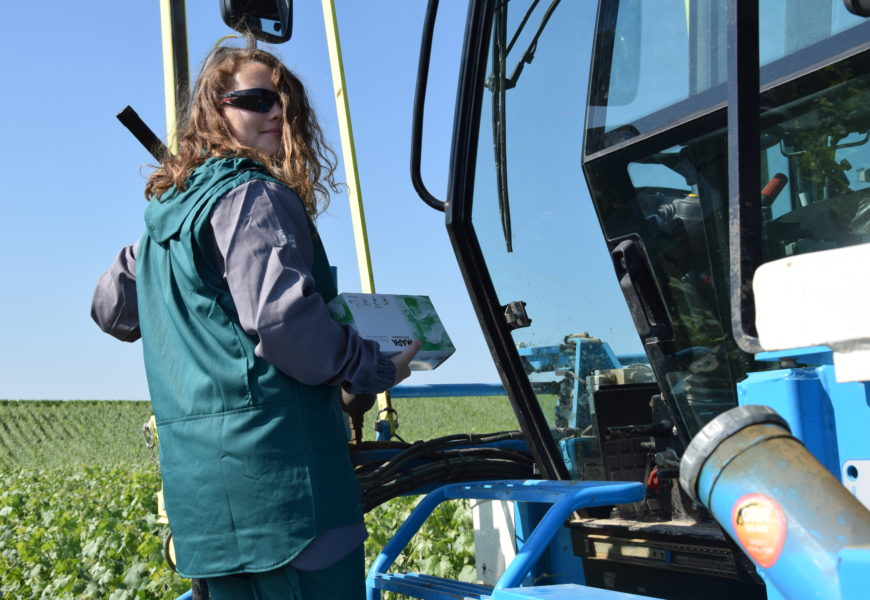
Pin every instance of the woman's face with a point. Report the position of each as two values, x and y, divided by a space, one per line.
260 131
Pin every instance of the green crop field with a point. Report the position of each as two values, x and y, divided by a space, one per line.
77 504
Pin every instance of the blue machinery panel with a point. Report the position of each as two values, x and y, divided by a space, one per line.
575 360
814 533
830 418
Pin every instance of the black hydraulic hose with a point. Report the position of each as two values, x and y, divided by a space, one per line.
388 468
455 470
447 471
419 103
461 454
419 449
412 483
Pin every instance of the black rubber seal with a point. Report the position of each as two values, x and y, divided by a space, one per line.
717 431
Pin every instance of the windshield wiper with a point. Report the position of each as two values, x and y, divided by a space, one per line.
498 83
499 120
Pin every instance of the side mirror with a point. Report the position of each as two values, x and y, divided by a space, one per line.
269 21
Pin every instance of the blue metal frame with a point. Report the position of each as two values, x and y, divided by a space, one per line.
853 565
828 417
565 497
448 390
805 517
557 565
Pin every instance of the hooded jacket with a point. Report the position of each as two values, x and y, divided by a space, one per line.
254 463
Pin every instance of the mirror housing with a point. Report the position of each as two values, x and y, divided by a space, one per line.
269 21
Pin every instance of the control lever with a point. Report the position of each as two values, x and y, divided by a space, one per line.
658 429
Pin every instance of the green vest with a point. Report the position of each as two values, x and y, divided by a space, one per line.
254 463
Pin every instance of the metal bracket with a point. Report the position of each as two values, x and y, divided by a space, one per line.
515 315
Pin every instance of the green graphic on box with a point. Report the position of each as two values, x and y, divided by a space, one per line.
395 321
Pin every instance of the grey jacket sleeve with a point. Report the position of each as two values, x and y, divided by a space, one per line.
114 307
264 247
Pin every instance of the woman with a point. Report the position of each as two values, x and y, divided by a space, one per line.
243 362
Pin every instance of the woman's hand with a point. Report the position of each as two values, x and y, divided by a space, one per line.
402 359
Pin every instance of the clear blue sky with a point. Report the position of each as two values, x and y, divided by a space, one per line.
73 176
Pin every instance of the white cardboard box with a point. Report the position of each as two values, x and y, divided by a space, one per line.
395 321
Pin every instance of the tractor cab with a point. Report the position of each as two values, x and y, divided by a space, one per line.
656 156
572 123
644 124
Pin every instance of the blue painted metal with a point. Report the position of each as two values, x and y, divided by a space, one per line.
820 516
558 563
811 355
448 390
565 496
851 402
772 593
383 433
828 417
800 398
542 359
429 587
562 592
853 566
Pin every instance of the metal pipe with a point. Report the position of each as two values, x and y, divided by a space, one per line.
784 509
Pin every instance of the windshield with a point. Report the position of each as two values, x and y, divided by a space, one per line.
535 221
656 162
657 62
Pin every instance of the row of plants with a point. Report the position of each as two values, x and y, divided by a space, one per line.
78 510
48 433
91 532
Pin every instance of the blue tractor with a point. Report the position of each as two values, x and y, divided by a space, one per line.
724 147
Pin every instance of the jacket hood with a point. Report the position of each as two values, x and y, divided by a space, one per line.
166 214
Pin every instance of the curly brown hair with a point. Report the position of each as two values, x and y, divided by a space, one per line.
306 163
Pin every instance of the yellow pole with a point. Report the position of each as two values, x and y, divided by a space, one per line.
348 151
173 29
176 78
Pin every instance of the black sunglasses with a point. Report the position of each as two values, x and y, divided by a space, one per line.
257 99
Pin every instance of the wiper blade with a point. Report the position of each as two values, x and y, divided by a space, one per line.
499 121
498 84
